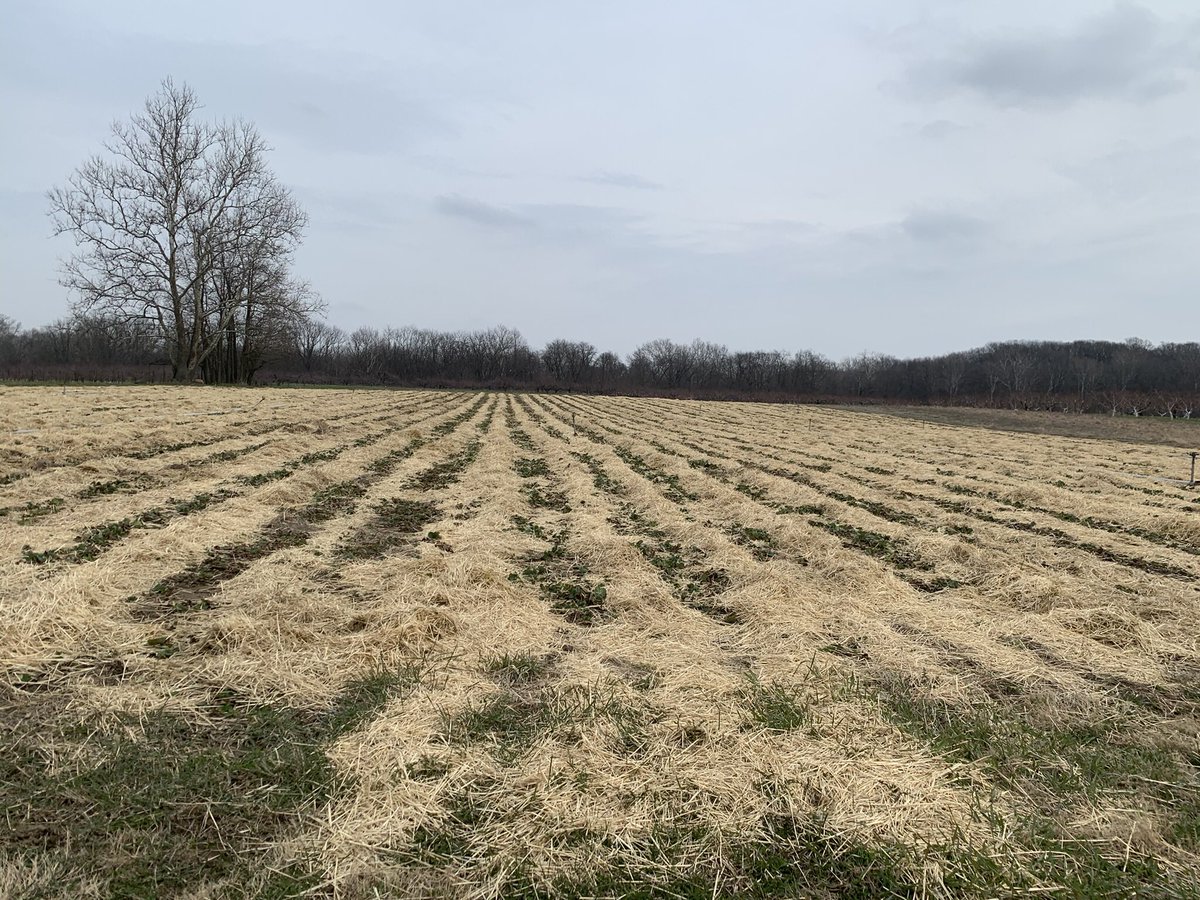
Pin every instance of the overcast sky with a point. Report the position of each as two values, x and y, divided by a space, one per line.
895 176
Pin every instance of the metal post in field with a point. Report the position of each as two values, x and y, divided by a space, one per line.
1192 480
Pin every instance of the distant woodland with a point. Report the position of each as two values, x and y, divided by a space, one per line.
1133 377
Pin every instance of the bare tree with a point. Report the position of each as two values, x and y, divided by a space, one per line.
367 349
10 331
662 363
609 368
316 341
569 362
174 224
496 352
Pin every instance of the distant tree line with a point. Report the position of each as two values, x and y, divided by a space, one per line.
1133 377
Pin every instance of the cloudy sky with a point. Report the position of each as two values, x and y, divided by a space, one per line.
887 175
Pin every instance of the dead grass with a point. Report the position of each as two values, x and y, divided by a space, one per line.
482 646
1135 429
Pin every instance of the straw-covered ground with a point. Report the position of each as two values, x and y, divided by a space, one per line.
421 644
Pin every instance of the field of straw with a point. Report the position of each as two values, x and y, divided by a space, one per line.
283 643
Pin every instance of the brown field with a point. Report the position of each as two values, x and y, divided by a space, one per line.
1176 432
418 644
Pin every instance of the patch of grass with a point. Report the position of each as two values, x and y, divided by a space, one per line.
691 581
528 526
362 698
175 796
336 500
116 485
777 705
1058 765
757 540
673 488
753 491
35 510
545 498
534 467
387 463
1054 762
517 668
192 588
600 477
563 581
875 508
393 525
262 478
452 424
317 456
231 455
511 721
872 543
789 856
170 806
445 473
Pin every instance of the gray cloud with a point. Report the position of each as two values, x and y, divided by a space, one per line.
783 228
942 225
623 180
556 222
1168 174
579 221
1127 53
940 129
480 213
360 213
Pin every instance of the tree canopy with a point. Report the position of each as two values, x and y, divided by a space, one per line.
180 223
